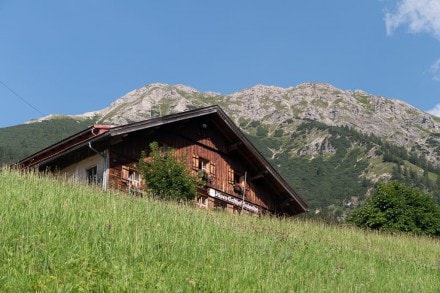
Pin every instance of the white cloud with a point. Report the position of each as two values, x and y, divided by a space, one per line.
435 70
420 16
435 111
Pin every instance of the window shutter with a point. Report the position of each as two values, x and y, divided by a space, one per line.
230 176
195 162
212 170
125 172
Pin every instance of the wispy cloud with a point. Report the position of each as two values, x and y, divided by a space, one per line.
435 111
421 16
435 70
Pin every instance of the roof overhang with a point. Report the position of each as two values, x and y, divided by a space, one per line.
67 145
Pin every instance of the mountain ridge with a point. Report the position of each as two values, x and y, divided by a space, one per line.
391 119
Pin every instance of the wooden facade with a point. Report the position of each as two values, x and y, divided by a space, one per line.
236 176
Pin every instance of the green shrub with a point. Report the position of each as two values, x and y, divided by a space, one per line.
262 131
167 175
398 207
278 133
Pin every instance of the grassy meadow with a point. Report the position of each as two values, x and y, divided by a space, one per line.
58 236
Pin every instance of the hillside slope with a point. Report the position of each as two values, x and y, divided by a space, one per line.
57 236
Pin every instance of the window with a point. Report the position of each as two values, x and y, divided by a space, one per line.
219 204
204 167
92 175
202 202
131 177
134 179
238 182
238 178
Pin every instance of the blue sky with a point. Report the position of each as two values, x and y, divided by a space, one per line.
71 57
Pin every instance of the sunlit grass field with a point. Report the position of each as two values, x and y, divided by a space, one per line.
57 236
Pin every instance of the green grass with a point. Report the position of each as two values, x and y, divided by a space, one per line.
319 103
64 237
364 100
378 167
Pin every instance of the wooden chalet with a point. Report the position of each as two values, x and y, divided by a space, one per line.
238 178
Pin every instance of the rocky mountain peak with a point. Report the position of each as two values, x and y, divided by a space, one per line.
394 120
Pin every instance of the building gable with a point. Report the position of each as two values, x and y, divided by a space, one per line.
210 142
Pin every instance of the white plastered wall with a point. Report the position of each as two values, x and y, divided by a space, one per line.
78 171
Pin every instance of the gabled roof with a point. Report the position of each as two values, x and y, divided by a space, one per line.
99 133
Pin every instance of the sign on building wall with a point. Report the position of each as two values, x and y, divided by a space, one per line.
232 200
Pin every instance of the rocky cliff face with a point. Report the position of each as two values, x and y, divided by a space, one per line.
394 120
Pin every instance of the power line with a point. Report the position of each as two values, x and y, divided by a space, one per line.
21 98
